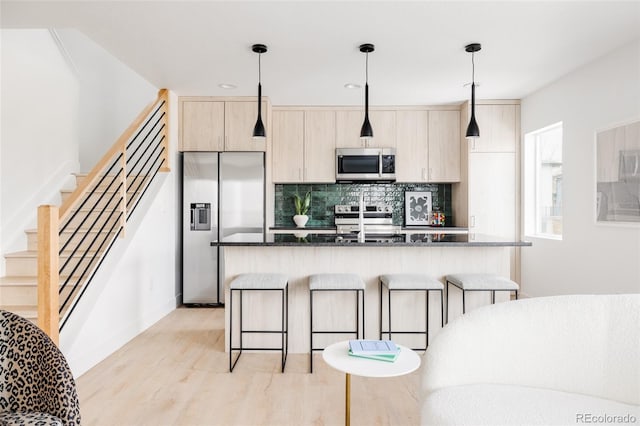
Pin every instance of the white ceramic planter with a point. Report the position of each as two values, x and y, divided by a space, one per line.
300 220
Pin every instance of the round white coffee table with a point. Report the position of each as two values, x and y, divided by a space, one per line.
337 356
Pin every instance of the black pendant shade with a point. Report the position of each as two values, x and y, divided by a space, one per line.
366 131
259 130
472 130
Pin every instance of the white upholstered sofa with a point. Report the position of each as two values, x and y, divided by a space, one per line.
565 360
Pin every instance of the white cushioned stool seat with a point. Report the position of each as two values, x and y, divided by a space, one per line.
335 282
258 281
482 282
411 281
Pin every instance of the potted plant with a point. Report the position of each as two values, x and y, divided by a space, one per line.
302 207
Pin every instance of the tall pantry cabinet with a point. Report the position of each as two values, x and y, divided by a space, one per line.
487 200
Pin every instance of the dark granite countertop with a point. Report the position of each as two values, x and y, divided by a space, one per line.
310 239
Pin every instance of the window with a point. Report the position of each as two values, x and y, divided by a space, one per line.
543 182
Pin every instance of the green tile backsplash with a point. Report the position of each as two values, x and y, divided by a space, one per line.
325 196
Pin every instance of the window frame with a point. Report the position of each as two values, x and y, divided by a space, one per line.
532 170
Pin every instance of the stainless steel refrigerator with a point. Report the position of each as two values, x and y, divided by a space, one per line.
223 199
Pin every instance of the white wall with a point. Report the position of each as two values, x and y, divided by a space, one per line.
111 95
38 139
137 283
590 258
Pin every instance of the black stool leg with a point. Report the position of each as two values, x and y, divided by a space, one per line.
389 319
230 329
380 309
426 328
360 293
441 308
463 307
311 331
447 291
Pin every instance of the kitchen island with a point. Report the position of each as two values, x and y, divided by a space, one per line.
301 254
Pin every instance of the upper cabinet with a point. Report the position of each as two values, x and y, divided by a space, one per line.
202 126
412 151
319 146
304 146
288 146
444 146
239 120
349 123
498 128
428 146
218 125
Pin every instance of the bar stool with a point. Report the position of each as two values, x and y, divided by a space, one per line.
335 282
480 282
411 282
260 282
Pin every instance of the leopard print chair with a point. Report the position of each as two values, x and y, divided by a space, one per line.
36 384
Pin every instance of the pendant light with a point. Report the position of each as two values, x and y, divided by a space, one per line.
472 130
258 130
366 131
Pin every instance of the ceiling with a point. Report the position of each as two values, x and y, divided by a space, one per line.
192 47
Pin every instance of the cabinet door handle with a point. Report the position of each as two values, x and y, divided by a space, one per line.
472 221
430 173
299 173
226 142
424 177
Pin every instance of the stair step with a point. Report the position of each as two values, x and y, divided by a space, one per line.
80 177
29 312
26 263
32 237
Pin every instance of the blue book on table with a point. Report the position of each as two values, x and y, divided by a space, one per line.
385 348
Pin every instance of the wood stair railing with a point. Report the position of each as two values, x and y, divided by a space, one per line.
130 165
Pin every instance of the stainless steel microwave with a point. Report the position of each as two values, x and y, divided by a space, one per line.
365 164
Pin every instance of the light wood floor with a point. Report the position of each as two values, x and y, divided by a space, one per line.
176 373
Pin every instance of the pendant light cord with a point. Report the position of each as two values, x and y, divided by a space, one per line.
259 68
366 72
473 68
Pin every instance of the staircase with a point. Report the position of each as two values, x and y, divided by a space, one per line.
19 288
45 282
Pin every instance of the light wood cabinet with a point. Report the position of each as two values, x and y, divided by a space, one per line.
444 146
497 125
288 146
319 146
349 123
487 200
412 150
303 146
492 194
212 125
239 120
202 125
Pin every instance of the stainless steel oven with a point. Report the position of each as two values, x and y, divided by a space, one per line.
365 164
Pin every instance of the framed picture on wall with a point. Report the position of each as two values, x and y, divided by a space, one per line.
417 207
618 174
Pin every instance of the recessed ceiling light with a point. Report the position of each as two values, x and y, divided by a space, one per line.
352 86
227 86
